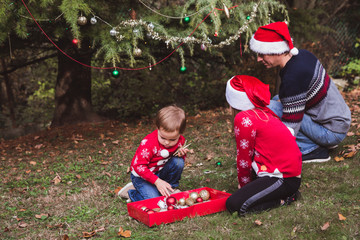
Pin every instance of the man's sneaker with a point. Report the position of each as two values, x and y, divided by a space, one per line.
320 154
123 193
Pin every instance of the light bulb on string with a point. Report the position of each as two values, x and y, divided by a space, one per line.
115 73
75 41
183 69
186 19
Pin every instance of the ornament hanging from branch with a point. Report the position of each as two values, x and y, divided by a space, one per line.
226 10
93 20
137 52
82 20
132 14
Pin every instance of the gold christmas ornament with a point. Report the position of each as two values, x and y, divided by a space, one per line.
82 20
189 201
194 196
182 202
204 194
137 53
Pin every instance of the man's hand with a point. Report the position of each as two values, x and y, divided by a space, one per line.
163 187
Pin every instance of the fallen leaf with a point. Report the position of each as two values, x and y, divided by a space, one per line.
38 146
116 142
258 222
88 234
117 190
325 226
338 159
350 154
122 233
349 134
65 237
32 163
341 217
102 229
78 176
57 179
42 216
22 224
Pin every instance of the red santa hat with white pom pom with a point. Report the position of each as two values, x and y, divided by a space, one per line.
273 38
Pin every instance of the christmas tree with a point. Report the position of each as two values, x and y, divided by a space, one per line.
125 35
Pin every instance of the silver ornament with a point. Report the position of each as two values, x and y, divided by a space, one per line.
93 20
150 25
194 196
204 194
137 52
113 32
226 10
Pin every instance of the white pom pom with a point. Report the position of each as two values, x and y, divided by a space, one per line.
294 51
164 153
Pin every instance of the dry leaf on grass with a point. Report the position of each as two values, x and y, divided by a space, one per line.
57 179
65 237
42 216
258 222
32 163
341 217
325 226
122 233
350 154
338 159
88 234
117 190
22 224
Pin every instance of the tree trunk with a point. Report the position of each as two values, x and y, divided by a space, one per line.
10 95
73 87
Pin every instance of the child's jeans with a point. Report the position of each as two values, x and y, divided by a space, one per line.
170 173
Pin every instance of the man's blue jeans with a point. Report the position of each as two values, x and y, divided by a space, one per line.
311 134
170 173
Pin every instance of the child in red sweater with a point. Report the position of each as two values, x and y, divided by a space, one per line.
266 148
155 171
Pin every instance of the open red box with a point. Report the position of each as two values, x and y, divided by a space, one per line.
216 203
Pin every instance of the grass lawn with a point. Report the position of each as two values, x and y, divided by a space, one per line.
60 183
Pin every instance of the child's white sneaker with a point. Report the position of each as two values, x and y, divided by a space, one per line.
123 193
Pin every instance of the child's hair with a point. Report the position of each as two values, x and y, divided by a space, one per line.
171 118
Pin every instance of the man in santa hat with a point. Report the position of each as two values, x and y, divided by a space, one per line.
308 100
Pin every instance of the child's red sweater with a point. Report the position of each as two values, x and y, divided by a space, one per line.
265 144
148 160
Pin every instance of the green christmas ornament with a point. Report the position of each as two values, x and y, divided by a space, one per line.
248 18
186 19
218 164
115 73
183 69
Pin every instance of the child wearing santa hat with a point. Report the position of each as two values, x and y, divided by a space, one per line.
310 103
265 148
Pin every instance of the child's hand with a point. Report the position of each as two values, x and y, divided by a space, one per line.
163 187
182 152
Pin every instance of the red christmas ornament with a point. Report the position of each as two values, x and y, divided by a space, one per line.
75 41
171 201
171 207
199 199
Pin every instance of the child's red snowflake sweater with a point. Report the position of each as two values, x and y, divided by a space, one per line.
148 160
265 144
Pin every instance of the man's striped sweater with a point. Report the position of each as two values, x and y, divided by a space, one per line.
306 88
